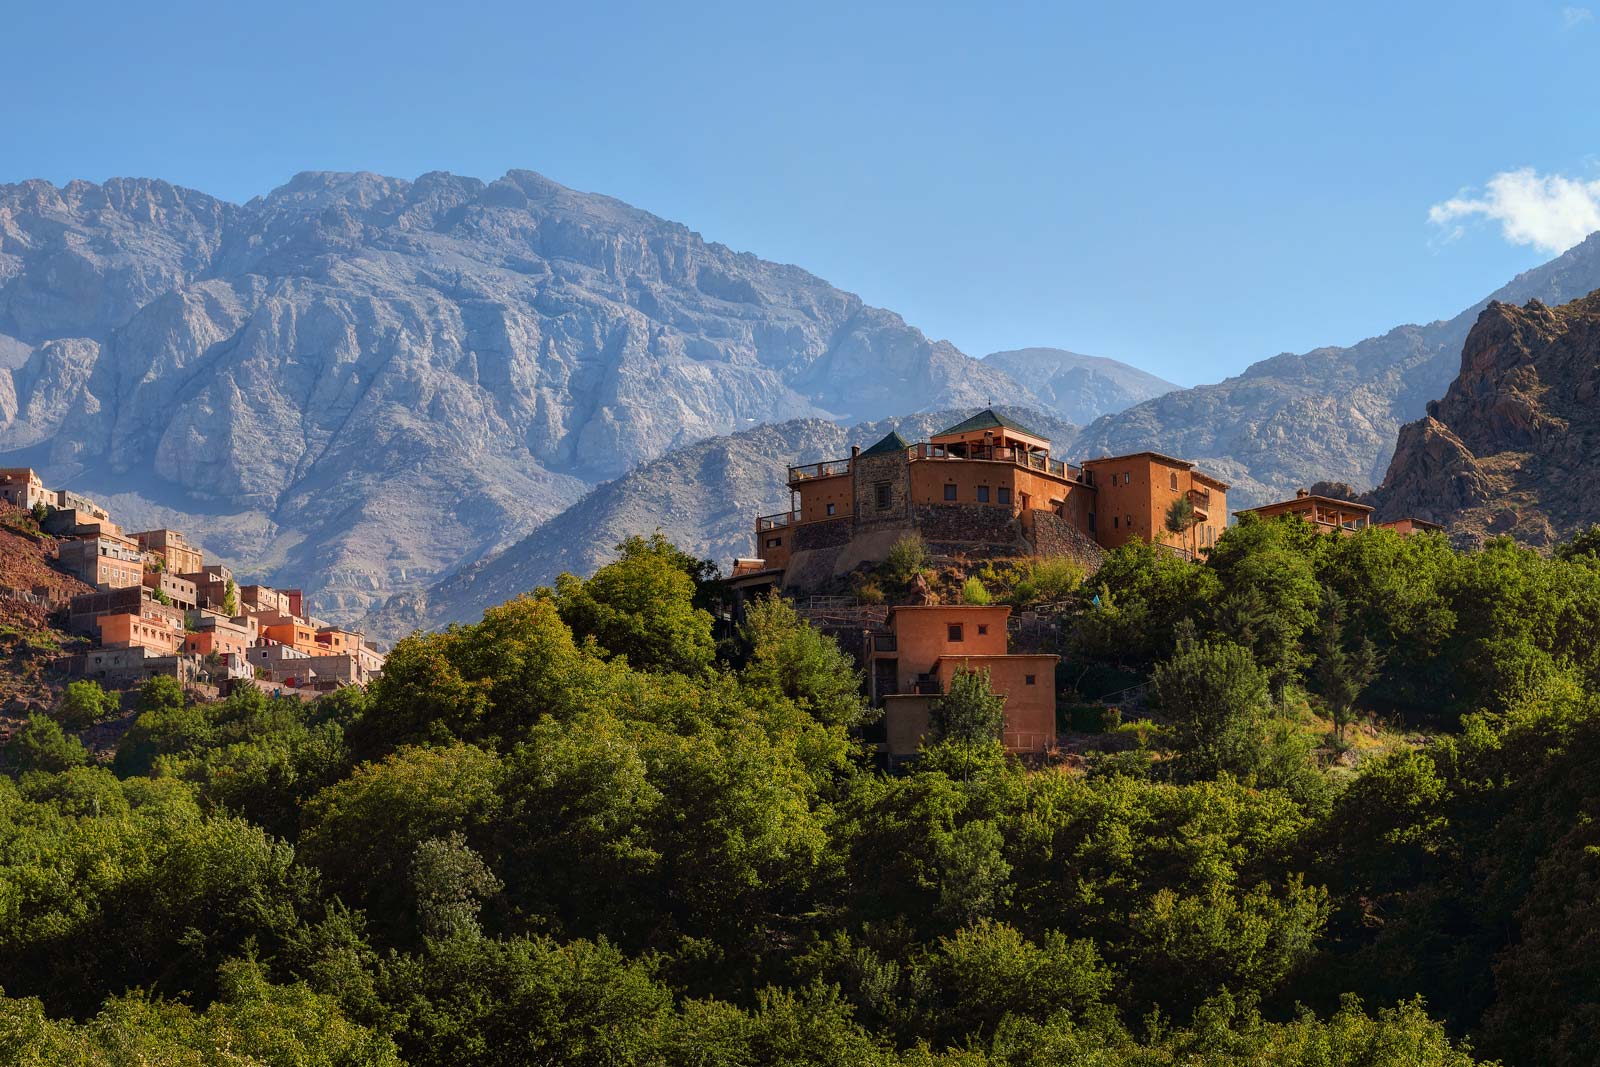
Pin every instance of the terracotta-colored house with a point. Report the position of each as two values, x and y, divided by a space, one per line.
103 561
136 631
220 636
180 592
262 599
294 633
1412 525
1326 514
1134 493
180 557
21 486
908 668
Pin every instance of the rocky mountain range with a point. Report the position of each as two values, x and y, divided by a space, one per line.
704 496
357 382
1330 414
1076 387
1514 445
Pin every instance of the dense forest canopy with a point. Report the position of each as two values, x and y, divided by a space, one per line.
584 831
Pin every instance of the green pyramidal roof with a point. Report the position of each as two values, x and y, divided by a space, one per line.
988 419
893 443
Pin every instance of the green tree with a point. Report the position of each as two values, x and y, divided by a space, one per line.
1216 698
789 656
230 598
641 607
1343 669
907 558
40 745
1180 519
969 711
85 703
450 882
973 591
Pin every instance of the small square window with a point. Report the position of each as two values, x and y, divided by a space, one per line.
949 492
983 494
1005 495
830 509
953 631
983 628
1027 679
774 542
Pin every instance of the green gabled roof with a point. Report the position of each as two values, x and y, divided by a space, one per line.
893 443
989 419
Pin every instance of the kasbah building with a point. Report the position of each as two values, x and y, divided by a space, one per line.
986 487
159 609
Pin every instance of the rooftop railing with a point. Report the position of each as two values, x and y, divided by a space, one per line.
776 521
1021 457
826 469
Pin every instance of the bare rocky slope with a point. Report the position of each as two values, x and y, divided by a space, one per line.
704 496
1079 388
355 383
1514 445
1330 414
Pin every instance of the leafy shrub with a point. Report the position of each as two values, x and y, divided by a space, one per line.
907 558
973 591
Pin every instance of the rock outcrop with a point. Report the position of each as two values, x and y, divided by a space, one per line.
1513 447
1332 413
366 381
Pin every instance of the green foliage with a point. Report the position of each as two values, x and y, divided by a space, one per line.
160 597
40 511
973 591
1216 699
230 598
85 703
566 833
40 745
907 558
789 657
641 607
969 710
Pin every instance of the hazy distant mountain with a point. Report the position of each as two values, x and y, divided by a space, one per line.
354 383
1514 445
1079 388
704 496
1330 414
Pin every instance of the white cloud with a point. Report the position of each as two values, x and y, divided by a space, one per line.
1572 17
1550 212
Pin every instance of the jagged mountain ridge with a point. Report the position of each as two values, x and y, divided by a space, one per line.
1330 414
356 383
1513 447
1079 388
704 496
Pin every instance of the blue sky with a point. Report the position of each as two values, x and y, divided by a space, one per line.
1189 187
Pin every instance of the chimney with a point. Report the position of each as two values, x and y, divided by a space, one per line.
855 450
1301 494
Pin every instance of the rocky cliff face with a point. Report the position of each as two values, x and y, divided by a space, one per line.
704 496
1076 387
356 382
1514 445
1332 413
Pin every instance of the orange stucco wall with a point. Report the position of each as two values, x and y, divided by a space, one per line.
296 635
1026 488
922 636
129 631
817 493
1132 494
1030 705
221 641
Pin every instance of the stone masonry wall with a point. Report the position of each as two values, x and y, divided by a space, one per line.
869 472
968 529
1053 535
830 533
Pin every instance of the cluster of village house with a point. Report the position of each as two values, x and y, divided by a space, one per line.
988 486
160 609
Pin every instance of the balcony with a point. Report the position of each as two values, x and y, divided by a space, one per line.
1015 456
832 468
776 521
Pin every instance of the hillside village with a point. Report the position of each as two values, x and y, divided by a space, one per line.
988 488
151 606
